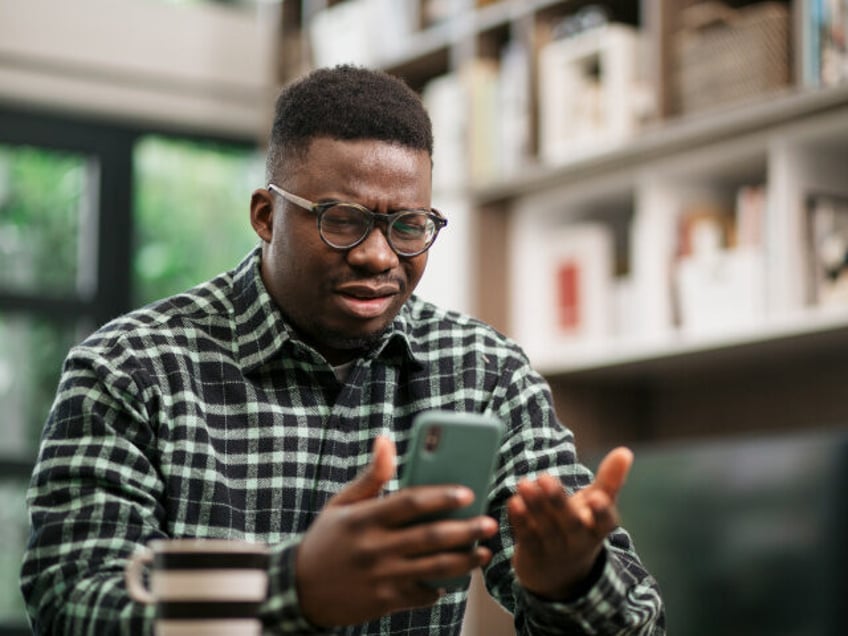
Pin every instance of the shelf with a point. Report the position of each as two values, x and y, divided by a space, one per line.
678 135
420 47
812 332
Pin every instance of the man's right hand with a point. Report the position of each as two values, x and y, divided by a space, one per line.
364 557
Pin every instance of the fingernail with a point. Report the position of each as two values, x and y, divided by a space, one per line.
463 495
487 525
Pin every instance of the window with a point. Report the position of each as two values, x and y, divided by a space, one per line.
45 221
191 212
94 220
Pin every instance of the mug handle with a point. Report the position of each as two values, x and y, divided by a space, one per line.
133 576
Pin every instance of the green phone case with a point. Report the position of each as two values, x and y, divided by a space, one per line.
449 447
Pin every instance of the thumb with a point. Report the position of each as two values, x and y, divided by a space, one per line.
370 482
612 473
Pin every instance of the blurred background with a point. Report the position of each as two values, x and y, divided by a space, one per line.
650 196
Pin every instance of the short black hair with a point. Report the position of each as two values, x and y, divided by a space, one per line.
346 102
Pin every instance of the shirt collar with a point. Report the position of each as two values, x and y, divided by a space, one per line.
262 330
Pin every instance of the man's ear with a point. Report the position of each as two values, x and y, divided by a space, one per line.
262 213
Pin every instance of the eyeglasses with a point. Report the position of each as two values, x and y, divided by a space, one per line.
345 225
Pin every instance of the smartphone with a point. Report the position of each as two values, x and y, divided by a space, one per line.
449 447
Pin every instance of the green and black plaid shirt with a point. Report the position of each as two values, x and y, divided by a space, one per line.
205 416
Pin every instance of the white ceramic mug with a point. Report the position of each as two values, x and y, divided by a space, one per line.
212 587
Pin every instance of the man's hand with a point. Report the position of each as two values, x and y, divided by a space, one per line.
364 557
558 538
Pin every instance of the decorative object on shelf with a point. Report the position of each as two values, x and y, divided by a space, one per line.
592 16
589 91
581 260
723 55
720 281
827 223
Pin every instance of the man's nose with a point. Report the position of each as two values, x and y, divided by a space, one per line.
374 253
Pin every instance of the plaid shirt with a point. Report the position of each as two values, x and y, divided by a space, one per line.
204 415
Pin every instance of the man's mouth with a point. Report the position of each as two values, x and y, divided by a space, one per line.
366 301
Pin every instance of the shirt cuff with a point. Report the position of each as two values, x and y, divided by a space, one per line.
281 611
595 607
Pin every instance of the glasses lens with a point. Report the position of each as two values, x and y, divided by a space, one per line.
343 225
412 232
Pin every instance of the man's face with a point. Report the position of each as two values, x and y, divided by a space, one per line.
341 300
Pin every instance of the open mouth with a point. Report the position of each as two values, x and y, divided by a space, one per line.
366 301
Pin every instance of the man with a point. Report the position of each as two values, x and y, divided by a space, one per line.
272 404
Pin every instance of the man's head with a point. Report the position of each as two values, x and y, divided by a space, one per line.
347 135
345 103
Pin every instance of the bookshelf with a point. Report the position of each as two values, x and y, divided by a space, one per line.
771 359
756 353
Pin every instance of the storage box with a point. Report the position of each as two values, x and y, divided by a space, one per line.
723 55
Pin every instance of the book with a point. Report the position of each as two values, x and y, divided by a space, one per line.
515 108
482 81
750 215
445 98
811 42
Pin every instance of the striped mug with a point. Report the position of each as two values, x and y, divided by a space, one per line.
212 587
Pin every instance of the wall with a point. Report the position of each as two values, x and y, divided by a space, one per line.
202 68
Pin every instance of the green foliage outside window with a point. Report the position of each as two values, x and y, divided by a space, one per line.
192 213
191 221
44 251
42 210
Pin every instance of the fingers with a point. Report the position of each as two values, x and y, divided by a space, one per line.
415 504
558 537
440 536
541 509
370 482
613 470
445 565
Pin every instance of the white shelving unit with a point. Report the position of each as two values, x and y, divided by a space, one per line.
650 378
795 145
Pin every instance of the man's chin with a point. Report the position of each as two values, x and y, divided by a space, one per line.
345 342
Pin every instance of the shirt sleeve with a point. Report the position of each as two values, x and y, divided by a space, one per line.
97 495
623 598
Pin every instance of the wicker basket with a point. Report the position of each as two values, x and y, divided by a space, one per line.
723 55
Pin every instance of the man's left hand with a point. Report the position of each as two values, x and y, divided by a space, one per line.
559 537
